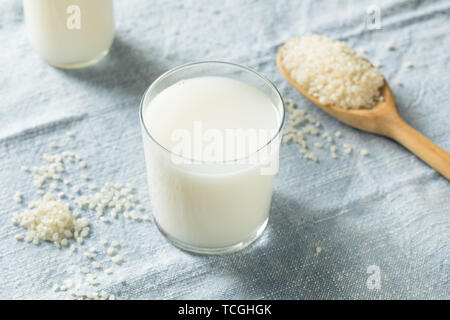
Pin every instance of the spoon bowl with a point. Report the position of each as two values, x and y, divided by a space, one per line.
382 119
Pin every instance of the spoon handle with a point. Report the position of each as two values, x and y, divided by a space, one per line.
422 147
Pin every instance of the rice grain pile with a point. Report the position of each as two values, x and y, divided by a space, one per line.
56 216
307 132
332 72
51 220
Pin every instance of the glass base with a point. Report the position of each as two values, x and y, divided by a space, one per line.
81 64
207 250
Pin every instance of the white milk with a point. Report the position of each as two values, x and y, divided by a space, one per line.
70 33
209 205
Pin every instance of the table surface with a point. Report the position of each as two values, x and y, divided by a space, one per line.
386 214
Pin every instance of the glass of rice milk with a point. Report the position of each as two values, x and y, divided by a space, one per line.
211 133
70 34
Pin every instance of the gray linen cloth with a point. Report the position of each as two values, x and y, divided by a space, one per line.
334 225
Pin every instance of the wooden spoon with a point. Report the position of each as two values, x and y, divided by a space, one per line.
385 120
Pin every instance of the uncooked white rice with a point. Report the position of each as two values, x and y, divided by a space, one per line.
332 72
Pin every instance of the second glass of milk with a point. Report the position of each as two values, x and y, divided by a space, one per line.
211 133
70 33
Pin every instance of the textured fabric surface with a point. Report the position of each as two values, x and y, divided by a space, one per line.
388 209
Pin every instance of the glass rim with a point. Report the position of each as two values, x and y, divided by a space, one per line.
192 64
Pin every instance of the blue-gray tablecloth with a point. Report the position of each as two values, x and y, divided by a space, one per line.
386 213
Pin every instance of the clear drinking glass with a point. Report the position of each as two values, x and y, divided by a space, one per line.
70 34
211 207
